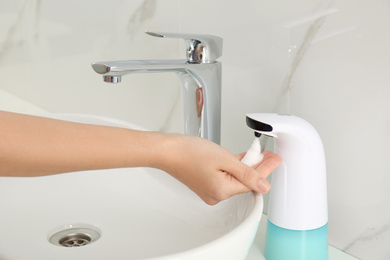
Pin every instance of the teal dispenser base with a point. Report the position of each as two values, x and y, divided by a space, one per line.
286 244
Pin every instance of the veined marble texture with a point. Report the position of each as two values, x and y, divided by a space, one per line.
326 61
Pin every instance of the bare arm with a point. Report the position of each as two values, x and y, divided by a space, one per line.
36 146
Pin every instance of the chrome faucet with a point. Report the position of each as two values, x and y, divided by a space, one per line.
200 75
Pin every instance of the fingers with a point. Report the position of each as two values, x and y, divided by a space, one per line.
249 177
239 178
227 187
255 178
235 186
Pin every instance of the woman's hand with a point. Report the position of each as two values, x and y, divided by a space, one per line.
211 171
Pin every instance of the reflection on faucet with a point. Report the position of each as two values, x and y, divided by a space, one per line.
200 75
199 101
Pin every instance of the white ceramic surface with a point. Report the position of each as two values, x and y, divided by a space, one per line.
12 103
140 213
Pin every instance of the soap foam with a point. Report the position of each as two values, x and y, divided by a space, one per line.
253 156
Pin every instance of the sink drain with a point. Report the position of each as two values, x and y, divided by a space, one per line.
75 240
74 237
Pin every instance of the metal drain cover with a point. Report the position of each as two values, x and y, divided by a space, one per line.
75 240
74 237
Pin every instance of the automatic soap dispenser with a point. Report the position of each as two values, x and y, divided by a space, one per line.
297 226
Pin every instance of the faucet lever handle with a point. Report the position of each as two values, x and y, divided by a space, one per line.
201 48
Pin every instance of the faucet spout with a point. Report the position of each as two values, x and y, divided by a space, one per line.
200 76
121 68
201 89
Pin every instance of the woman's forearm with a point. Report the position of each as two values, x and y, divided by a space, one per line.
35 146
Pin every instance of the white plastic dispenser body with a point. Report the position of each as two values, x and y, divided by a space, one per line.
298 212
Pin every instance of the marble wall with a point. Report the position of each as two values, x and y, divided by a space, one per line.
327 61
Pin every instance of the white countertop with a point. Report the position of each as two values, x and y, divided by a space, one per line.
257 249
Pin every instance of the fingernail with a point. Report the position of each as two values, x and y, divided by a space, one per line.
263 185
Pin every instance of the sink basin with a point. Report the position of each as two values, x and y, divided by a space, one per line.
127 213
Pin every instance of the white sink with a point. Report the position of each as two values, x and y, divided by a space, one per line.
139 213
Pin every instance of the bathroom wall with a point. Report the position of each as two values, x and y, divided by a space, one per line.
326 61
